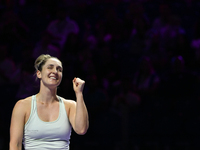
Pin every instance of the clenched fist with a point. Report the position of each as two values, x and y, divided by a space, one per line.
78 85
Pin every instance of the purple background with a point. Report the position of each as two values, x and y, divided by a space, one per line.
140 60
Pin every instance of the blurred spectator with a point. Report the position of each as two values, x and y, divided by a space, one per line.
61 27
195 44
72 46
166 38
9 72
153 34
113 25
88 35
172 37
13 31
95 97
104 59
181 88
165 13
109 28
86 60
188 13
100 32
44 46
26 78
124 104
26 75
181 83
125 99
146 80
138 24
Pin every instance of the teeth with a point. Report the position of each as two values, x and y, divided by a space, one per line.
52 77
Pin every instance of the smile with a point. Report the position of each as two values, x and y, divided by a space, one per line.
53 78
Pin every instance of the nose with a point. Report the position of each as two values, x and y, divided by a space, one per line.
55 70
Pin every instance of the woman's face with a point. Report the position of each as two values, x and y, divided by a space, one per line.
51 74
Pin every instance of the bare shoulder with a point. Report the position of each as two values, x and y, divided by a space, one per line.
21 110
23 104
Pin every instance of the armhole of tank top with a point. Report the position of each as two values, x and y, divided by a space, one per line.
32 107
63 106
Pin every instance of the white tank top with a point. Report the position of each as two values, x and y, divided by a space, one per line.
40 135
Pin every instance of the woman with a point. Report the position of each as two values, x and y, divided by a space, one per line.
44 121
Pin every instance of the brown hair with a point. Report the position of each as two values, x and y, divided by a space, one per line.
41 60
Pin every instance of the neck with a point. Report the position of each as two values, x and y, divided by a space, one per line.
47 95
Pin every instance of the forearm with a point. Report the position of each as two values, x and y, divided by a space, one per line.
81 118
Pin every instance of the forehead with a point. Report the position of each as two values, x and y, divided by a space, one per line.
53 61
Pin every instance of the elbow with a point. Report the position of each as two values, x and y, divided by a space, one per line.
82 130
13 146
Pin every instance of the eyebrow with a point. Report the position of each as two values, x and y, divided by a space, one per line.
53 65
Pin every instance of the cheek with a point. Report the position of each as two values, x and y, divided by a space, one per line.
61 75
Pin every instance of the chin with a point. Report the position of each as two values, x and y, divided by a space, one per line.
53 85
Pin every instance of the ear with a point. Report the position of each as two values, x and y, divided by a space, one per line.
38 73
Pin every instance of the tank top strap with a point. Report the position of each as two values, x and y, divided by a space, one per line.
62 107
33 103
33 108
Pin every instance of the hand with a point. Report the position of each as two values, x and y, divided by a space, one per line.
78 85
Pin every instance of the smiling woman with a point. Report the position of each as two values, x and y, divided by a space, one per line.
44 121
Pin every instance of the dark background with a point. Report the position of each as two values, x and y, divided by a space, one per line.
140 60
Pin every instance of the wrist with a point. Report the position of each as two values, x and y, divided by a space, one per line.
79 94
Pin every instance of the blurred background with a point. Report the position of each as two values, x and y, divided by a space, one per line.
140 60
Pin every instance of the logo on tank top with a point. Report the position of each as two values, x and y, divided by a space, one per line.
32 131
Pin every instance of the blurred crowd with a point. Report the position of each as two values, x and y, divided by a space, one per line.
140 60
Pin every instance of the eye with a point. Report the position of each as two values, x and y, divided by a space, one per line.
50 67
59 68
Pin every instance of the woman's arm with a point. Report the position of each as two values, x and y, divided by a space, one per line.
17 126
78 111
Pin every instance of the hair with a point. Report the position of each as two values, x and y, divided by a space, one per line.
41 60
